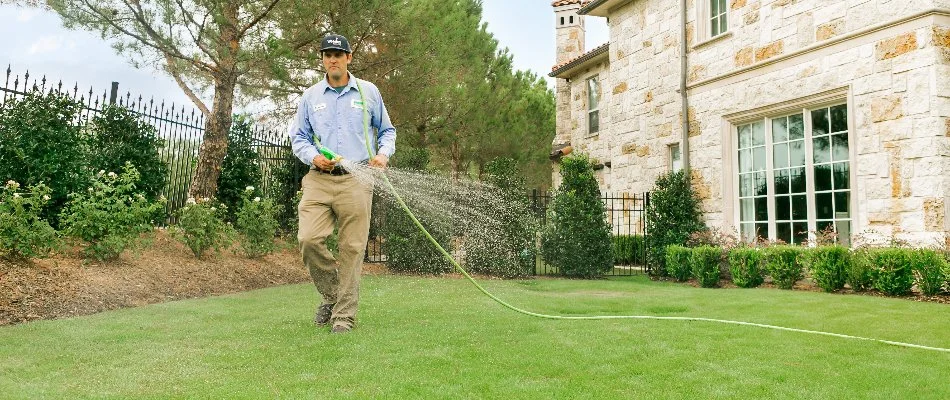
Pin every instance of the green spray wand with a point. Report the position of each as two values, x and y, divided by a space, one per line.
330 155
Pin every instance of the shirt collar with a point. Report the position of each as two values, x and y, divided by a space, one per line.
351 84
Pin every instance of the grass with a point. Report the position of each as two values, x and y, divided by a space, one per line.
440 338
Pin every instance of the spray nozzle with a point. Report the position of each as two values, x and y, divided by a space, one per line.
329 154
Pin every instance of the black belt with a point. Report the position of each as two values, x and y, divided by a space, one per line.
338 170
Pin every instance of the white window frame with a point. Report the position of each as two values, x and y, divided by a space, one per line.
704 19
804 105
591 109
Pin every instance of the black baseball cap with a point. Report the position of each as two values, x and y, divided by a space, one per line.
335 42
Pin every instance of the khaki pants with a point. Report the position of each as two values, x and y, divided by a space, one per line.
328 200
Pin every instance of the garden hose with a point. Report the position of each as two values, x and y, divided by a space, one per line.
465 273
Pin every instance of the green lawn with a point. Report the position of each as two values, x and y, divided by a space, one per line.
440 338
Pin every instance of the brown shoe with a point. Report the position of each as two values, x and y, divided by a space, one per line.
323 314
340 329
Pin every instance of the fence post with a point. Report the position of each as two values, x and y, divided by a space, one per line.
114 92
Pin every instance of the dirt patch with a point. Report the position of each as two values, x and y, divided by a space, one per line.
65 285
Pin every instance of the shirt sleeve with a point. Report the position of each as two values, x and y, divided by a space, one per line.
301 134
386 132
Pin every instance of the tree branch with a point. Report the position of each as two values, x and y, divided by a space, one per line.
184 87
258 19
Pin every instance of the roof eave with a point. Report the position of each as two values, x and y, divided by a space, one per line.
600 8
567 71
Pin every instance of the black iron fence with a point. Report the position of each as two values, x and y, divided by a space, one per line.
181 128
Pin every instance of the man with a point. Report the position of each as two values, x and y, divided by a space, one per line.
331 114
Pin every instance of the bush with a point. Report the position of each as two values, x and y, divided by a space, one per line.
782 264
704 262
745 263
201 226
240 168
23 234
673 214
859 271
891 270
507 247
577 237
257 224
828 266
117 136
928 267
678 262
111 215
628 249
40 141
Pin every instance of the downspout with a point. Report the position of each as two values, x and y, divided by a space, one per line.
685 137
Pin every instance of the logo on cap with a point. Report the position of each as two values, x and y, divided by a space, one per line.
335 41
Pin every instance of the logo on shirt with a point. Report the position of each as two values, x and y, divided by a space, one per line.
320 106
357 104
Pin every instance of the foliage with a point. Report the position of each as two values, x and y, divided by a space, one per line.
23 233
891 270
858 274
745 263
257 224
672 215
928 266
783 266
704 262
201 226
41 141
117 136
828 265
678 264
241 167
577 238
111 214
506 247
628 249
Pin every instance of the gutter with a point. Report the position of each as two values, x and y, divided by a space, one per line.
684 146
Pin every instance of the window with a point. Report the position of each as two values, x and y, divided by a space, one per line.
794 175
572 19
676 158
717 17
562 20
593 105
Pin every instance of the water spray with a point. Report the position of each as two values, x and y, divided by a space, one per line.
330 155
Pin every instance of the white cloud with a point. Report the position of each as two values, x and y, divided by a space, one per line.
46 44
25 15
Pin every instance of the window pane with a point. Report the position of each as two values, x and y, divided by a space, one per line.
723 27
821 150
796 127
594 122
745 136
714 27
593 93
798 180
825 225
758 159
844 232
746 209
800 232
799 207
745 160
839 146
781 181
796 152
761 187
748 232
841 175
761 208
823 206
746 187
841 205
819 122
839 118
762 230
780 130
783 232
783 208
714 8
780 156
722 6
758 134
823 177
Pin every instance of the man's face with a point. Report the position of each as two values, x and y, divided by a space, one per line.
335 62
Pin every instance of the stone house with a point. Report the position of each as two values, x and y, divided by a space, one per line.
800 114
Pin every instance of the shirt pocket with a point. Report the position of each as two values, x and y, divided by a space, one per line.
320 117
355 112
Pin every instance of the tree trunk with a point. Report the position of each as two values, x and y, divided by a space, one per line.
215 143
456 160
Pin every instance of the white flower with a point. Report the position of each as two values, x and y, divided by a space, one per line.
139 196
89 190
16 195
191 200
213 209
45 197
162 198
13 184
249 189
101 172
257 199
112 174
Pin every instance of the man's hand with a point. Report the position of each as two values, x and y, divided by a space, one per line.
322 163
380 161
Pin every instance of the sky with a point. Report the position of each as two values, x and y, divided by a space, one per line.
35 41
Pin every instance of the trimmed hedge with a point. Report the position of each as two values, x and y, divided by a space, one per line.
828 266
628 249
928 268
745 263
782 264
678 262
705 261
891 270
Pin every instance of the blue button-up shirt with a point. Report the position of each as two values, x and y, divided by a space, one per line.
336 119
